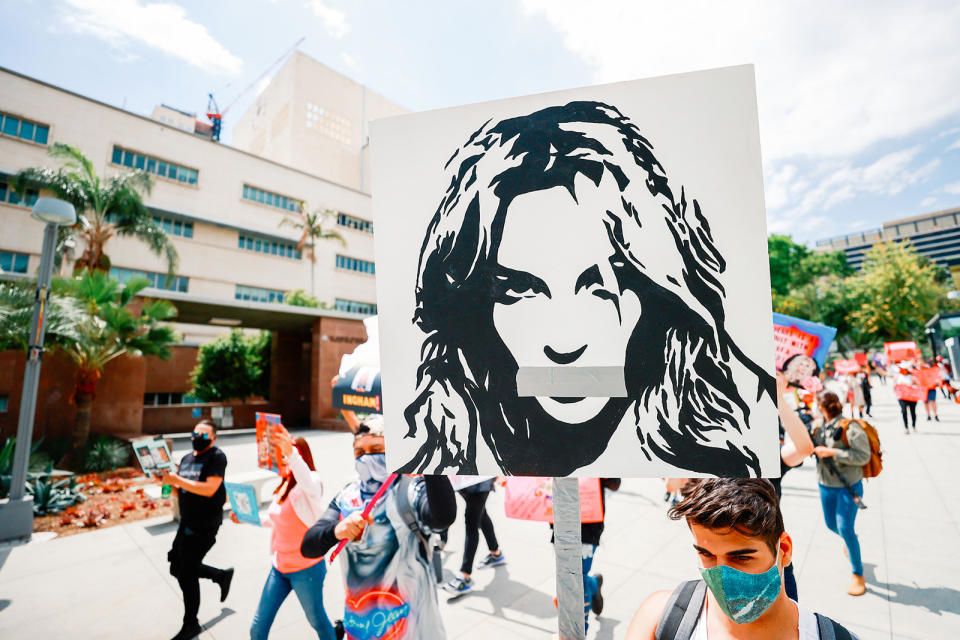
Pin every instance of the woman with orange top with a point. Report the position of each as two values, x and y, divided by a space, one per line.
297 505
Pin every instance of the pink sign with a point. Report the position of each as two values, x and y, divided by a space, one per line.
846 367
531 498
789 341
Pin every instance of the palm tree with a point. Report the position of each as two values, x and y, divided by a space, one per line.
105 207
16 315
313 227
108 328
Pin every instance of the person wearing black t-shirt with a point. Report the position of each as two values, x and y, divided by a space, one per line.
199 486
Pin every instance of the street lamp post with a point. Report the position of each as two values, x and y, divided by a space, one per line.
16 513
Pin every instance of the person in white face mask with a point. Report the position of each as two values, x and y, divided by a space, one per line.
390 584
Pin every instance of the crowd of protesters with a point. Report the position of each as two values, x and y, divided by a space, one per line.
391 529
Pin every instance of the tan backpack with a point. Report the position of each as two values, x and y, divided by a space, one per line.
874 466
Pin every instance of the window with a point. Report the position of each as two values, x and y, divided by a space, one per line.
4 403
285 249
13 262
175 227
157 280
353 264
258 294
352 306
173 397
136 160
354 223
7 195
23 129
269 198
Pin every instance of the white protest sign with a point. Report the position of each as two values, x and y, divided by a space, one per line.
576 283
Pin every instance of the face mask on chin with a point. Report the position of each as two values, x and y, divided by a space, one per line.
372 470
743 597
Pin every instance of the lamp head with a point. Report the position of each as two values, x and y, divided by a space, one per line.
53 211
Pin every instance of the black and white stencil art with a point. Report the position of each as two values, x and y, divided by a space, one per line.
555 300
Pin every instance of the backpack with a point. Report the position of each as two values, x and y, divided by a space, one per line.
874 466
409 517
679 618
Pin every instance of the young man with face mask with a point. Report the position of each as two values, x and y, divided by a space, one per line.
738 534
199 486
390 585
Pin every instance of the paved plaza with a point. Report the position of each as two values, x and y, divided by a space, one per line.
115 583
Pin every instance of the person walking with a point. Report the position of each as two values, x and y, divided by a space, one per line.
867 388
903 387
390 583
842 449
475 520
297 505
198 484
930 401
857 400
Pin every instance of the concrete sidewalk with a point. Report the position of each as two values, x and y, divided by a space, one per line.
115 583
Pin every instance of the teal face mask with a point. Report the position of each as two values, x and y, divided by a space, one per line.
743 597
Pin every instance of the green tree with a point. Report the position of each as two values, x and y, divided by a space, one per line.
793 265
895 293
300 298
106 207
233 367
826 299
16 313
313 227
112 324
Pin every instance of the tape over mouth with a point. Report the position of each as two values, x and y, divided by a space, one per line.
571 382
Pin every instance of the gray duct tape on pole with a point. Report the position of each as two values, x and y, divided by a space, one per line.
567 546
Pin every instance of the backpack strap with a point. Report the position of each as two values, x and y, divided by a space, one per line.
830 630
679 618
409 517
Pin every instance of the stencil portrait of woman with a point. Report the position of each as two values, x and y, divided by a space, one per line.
560 242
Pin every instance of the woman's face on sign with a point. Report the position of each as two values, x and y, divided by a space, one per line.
560 303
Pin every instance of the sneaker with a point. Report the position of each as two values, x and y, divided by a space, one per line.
188 631
937 418
224 582
338 629
596 602
458 585
491 561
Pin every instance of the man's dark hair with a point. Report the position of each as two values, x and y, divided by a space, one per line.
207 422
748 506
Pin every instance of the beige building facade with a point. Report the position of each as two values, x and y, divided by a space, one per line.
221 206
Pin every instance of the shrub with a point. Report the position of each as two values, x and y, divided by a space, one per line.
105 453
52 497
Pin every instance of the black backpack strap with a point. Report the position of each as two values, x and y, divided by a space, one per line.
409 517
679 618
830 630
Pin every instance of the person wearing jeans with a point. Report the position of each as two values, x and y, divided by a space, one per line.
475 520
297 506
840 463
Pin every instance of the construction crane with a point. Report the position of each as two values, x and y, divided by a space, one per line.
215 115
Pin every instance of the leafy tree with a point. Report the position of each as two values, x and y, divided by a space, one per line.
827 299
896 292
106 207
793 265
234 366
313 227
16 313
300 298
111 324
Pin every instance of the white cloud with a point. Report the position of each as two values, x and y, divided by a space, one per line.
955 145
929 201
348 60
831 82
953 188
334 20
162 26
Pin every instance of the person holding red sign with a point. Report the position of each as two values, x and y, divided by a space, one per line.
908 393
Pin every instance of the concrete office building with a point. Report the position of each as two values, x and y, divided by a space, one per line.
222 207
935 235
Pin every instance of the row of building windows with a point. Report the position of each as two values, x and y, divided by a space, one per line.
352 306
270 199
257 294
162 168
13 262
24 129
8 195
175 227
355 264
162 399
354 223
157 280
253 243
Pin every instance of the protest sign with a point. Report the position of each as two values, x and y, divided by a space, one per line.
846 367
861 358
793 336
153 455
462 482
244 501
591 248
900 351
358 389
268 456
909 392
928 377
531 498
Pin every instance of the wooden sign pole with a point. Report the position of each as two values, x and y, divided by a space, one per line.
567 546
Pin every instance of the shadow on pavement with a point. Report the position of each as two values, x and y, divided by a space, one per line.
224 612
4 604
606 627
938 600
161 528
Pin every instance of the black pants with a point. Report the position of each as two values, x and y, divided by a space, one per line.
186 565
905 406
475 517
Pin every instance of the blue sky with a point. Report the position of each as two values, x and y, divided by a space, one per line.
859 101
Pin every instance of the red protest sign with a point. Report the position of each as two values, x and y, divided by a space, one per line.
861 359
928 377
846 367
531 498
908 392
268 457
900 351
